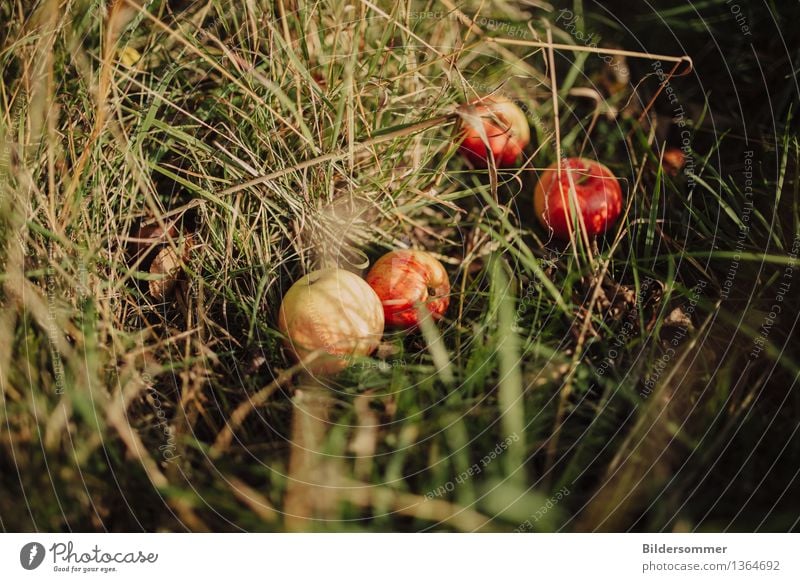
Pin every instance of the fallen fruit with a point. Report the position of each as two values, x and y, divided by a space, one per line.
597 194
506 128
331 310
404 279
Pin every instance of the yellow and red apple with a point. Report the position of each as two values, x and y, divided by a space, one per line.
332 311
410 284
506 128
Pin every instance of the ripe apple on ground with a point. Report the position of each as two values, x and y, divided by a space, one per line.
597 195
506 128
403 279
331 310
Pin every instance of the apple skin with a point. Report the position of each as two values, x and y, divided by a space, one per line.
598 193
333 310
403 278
506 141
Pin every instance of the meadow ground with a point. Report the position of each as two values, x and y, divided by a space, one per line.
644 381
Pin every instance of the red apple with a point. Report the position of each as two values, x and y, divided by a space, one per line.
334 311
403 279
587 184
506 128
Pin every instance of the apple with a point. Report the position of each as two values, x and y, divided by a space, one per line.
597 194
506 128
331 310
402 279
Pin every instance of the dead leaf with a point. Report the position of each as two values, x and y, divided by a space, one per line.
167 266
678 318
129 56
674 161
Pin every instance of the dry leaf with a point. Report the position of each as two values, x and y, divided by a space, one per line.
129 56
674 161
678 318
167 265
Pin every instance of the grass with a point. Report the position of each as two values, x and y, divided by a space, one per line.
610 386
